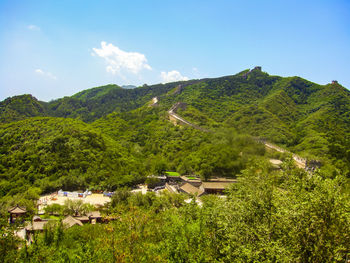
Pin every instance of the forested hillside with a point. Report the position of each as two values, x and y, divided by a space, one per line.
47 154
109 138
21 107
268 216
87 105
42 155
307 118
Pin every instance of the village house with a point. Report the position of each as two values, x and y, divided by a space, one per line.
17 213
214 187
95 217
195 187
70 221
191 190
195 181
37 225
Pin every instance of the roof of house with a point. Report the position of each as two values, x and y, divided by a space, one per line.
37 218
222 179
36 225
216 185
82 218
94 214
17 210
190 189
71 221
191 179
171 188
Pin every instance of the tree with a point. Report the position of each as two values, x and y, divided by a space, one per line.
76 207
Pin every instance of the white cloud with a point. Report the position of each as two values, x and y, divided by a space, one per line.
47 74
50 75
195 72
172 76
39 71
118 59
33 28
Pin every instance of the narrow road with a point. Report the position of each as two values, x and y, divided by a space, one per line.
299 161
173 115
154 102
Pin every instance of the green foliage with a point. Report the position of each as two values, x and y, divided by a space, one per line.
50 153
301 115
76 207
21 107
270 215
53 209
9 243
172 173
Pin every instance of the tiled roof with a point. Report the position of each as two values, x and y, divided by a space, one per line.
70 221
216 185
17 210
190 189
94 214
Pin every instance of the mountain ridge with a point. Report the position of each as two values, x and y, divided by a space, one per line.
295 113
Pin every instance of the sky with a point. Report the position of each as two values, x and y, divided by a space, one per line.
52 49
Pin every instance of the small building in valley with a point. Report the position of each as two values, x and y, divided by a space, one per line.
70 221
215 187
83 219
195 181
191 190
17 213
95 217
34 226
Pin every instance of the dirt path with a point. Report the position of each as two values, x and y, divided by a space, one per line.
174 117
154 102
299 161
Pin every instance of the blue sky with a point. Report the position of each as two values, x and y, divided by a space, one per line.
53 48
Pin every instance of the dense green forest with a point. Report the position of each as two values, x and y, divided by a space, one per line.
110 138
268 216
302 116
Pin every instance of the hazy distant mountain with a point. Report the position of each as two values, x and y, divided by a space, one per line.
129 87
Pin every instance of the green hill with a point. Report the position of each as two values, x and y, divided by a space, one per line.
305 117
95 103
53 153
111 138
21 107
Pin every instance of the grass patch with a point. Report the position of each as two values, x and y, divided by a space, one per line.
172 173
192 177
50 217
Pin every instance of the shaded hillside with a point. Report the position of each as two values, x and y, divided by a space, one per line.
303 116
149 134
54 153
95 103
87 105
45 154
306 117
21 107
